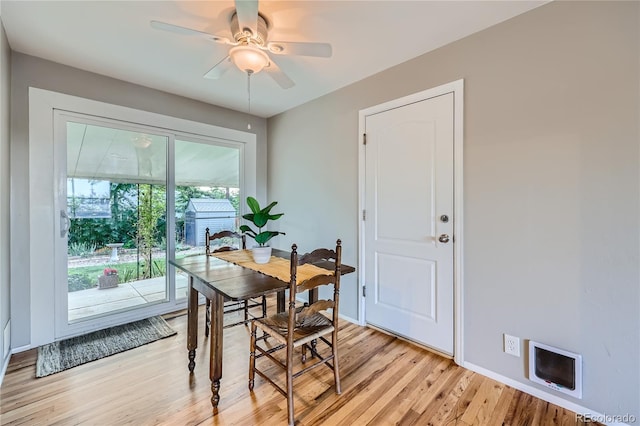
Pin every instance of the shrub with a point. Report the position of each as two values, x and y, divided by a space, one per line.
78 282
81 248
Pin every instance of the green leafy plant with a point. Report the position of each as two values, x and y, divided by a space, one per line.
158 268
259 217
128 274
151 210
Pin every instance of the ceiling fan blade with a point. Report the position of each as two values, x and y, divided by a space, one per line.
247 11
280 77
320 50
219 69
163 26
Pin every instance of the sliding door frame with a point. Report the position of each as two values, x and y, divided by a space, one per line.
43 215
63 327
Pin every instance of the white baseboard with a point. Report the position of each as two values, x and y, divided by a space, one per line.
21 349
545 396
346 318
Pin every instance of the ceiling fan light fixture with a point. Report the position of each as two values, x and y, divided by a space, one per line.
249 59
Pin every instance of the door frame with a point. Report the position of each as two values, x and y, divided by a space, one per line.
457 88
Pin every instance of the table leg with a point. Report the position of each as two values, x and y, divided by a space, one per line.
313 296
192 324
280 302
215 352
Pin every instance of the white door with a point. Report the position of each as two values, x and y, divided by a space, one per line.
408 229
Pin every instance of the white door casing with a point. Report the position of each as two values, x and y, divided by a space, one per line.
408 257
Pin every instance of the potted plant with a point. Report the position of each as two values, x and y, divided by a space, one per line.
108 279
259 217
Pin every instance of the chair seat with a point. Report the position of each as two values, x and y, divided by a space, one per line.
311 327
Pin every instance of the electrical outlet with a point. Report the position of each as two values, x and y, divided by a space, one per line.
512 345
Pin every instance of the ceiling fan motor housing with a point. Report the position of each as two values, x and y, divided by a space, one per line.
239 33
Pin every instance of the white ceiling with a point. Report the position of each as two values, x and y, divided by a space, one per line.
114 38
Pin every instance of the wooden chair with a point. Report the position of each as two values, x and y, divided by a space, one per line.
230 305
301 327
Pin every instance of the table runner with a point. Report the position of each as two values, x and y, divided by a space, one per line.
277 267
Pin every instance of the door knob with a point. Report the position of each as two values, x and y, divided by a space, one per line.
444 238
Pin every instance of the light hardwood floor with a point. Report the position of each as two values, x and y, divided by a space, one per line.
385 381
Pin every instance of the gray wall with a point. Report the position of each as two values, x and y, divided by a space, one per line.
5 80
35 72
551 185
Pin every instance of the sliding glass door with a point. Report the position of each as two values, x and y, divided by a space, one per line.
207 193
130 198
115 214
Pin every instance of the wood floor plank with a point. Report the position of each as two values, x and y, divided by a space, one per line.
397 407
524 410
449 412
480 399
551 415
369 381
385 380
502 406
488 400
392 391
428 410
435 386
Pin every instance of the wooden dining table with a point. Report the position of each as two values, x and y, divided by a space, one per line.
219 280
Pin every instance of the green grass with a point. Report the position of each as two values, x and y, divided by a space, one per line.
86 277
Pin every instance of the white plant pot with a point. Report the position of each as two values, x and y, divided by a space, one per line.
261 254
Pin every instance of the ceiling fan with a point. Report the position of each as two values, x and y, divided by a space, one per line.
251 49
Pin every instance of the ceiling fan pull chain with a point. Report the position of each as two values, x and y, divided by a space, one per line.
249 96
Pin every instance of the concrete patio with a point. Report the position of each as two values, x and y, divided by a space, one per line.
86 303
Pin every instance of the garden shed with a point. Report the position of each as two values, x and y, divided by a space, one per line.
203 213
